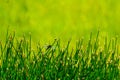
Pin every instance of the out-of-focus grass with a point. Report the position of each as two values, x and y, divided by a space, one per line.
49 19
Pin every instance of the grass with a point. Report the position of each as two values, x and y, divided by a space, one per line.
61 19
94 61
47 19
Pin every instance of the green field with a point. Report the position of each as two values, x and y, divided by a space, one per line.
49 19
43 21
94 61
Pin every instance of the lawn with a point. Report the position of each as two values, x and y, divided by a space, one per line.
60 39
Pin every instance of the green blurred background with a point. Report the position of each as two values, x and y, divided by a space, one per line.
49 19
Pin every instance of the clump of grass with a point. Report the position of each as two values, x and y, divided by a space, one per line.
96 61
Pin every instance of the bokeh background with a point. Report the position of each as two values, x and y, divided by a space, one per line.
49 19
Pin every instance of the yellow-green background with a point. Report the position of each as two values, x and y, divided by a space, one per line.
49 19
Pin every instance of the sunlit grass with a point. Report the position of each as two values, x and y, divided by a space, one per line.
62 20
88 60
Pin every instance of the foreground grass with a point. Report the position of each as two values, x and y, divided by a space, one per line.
94 61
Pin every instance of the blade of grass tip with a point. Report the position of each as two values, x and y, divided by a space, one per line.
109 45
105 46
89 49
1 54
89 43
78 48
1 47
68 45
58 44
53 49
27 48
71 54
96 42
11 38
62 53
97 36
79 43
29 42
113 44
82 39
116 40
81 46
59 49
113 48
39 49
7 39
66 50
117 50
23 43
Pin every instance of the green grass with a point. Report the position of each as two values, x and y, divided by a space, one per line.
92 60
